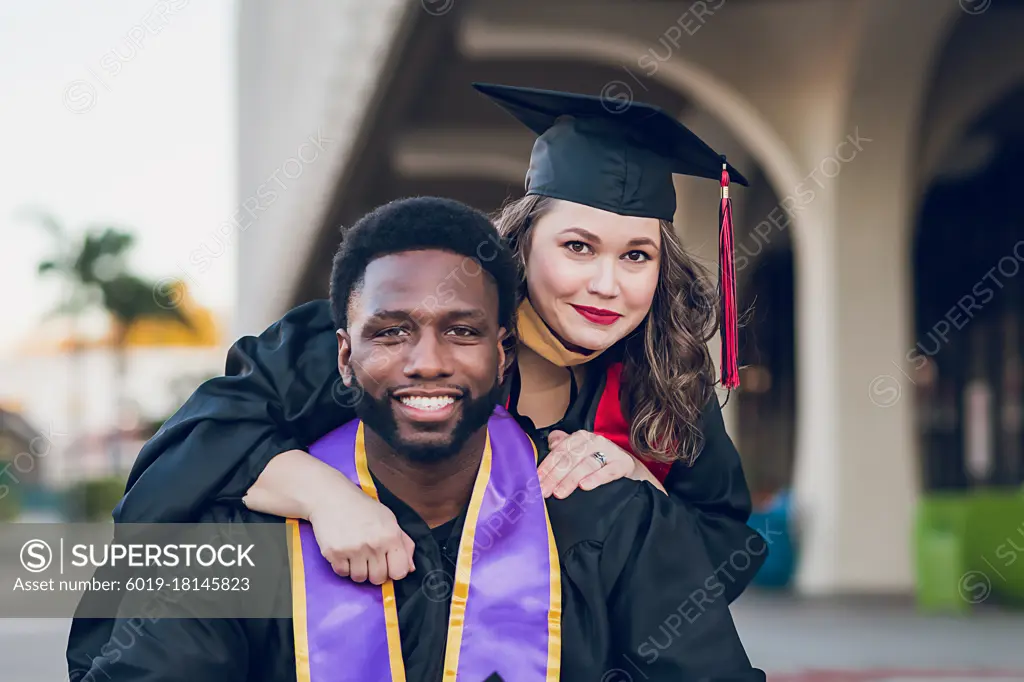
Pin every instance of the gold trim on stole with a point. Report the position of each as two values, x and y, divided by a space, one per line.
388 588
299 623
464 565
555 602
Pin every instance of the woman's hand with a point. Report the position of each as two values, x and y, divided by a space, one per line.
571 464
359 536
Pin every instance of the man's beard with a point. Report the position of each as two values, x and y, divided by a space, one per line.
378 414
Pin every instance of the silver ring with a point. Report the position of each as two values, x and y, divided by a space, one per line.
599 456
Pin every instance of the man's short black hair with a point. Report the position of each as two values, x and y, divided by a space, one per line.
421 223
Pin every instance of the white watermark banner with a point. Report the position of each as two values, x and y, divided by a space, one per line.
215 570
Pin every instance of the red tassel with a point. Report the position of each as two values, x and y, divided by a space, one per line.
727 287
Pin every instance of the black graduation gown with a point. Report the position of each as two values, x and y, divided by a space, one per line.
280 392
631 600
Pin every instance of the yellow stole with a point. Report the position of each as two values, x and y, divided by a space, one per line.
535 334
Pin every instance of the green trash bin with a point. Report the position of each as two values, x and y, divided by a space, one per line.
940 554
995 543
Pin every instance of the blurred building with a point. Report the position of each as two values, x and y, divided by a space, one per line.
18 442
67 385
880 242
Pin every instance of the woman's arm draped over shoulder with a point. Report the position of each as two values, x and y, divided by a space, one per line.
716 489
280 392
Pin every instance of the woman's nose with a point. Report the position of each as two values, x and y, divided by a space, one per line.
605 281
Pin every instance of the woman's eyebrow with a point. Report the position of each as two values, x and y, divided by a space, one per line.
586 234
643 241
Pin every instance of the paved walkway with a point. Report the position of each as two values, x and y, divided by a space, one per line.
863 640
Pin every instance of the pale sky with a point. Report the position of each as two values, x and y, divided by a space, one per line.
120 111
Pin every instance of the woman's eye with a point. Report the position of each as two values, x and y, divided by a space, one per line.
637 256
578 247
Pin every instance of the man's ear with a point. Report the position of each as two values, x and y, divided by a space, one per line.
501 354
345 357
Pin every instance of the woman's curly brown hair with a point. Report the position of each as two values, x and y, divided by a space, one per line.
668 374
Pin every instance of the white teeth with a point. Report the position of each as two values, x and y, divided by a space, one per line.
425 403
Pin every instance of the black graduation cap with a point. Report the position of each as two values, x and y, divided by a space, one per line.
620 156
610 154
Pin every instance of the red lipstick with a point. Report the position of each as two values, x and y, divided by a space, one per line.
596 315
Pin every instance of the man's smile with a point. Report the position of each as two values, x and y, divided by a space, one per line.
427 405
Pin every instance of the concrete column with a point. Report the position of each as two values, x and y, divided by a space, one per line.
859 492
306 73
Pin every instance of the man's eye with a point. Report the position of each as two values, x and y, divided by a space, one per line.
390 332
463 331
577 247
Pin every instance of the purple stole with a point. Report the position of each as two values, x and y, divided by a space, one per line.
506 602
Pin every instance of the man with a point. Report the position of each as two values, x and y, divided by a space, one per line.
505 582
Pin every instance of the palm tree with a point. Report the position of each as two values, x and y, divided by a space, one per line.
129 299
94 270
68 264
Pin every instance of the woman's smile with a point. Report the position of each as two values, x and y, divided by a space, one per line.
597 315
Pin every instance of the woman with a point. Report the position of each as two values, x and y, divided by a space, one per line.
611 370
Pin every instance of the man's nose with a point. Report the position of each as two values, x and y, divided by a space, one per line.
428 358
605 281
